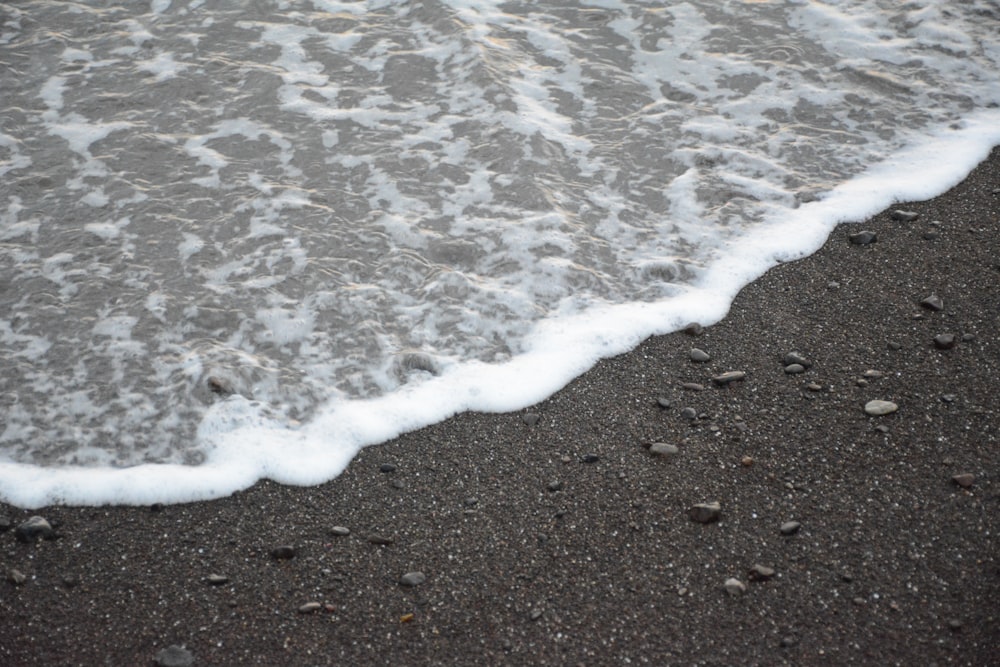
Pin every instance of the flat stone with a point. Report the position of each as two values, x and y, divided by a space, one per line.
689 413
387 467
217 579
760 573
795 369
746 461
663 449
284 552
863 238
16 577
174 656
555 486
693 329
964 480
699 356
380 540
790 527
663 402
795 358
692 386
590 458
340 531
945 341
531 418
310 607
734 586
33 529
729 377
933 302
705 512
904 216
413 579
878 408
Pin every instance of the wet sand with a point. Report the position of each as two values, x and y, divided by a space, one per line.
553 535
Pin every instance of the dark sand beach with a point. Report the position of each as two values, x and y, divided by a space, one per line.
553 536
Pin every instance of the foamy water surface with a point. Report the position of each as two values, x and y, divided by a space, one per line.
244 240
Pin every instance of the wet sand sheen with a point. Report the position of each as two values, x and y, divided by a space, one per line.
554 536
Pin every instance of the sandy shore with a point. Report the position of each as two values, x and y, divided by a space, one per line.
553 536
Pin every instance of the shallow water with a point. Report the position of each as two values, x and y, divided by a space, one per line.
246 239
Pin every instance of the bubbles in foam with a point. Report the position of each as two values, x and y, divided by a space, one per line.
246 242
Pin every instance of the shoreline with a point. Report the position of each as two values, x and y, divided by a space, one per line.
553 536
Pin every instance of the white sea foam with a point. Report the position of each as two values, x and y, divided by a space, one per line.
247 242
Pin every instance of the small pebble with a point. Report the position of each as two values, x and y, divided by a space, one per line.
693 329
904 216
879 408
795 358
735 587
555 486
340 531
728 377
699 356
872 373
663 449
380 540
590 458
284 552
310 607
790 527
413 579
33 529
933 302
812 386
387 467
760 573
930 235
705 512
663 402
16 577
944 341
217 579
893 345
174 656
795 369
692 386
863 238
968 337
535 614
964 480
689 413
531 418
746 461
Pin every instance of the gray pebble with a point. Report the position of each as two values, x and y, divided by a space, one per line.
734 586
904 216
968 337
705 512
795 369
663 402
387 467
863 238
728 377
663 449
933 302
692 386
699 355
878 408
33 529
217 579
310 607
945 341
413 579
174 656
340 531
790 527
796 358
760 573
530 418
16 577
689 413
555 486
284 552
964 480
380 540
693 329
5 524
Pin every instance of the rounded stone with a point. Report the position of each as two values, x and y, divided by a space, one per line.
689 413
413 579
790 527
340 531
310 607
964 480
284 552
878 408
795 369
663 449
174 656
705 512
863 238
699 356
729 377
945 341
760 573
734 586
33 529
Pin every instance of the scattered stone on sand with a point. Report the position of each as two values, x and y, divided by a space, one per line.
310 607
412 579
863 238
692 386
814 386
340 531
33 529
968 337
796 358
535 614
746 461
894 346
795 369
933 302
693 329
531 418
5 524
217 579
387 467
878 408
16 577
705 512
174 656
70 581
735 587
689 413
663 449
900 215
699 356
728 377
381 540
471 501
284 552
555 486
790 527
872 373
664 403
590 458
760 573
945 341
964 480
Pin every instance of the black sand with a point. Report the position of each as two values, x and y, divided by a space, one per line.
894 562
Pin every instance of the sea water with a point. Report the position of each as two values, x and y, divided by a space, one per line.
245 239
